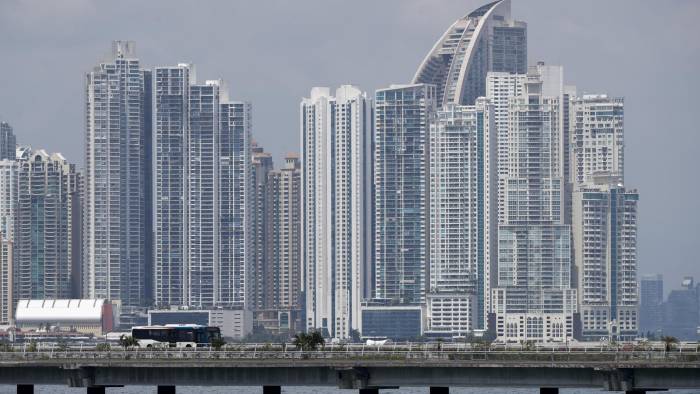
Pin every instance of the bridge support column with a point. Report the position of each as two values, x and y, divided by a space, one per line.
272 389
369 391
439 390
549 390
96 390
25 389
166 389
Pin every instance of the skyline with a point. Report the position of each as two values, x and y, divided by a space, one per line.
276 108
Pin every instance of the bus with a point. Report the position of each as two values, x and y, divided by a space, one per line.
175 335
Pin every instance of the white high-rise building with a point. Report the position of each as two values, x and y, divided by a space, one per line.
486 39
462 217
597 137
203 177
533 299
8 211
605 252
500 88
336 158
117 218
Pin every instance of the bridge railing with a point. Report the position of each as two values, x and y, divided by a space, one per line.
265 352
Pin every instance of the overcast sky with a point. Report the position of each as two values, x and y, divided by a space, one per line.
273 52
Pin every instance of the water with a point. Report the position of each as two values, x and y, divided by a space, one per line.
303 390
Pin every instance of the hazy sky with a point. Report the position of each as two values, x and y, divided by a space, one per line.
273 52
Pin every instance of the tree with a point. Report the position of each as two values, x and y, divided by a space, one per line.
355 336
669 342
127 341
218 343
308 341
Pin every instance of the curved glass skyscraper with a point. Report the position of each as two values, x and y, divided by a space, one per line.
487 39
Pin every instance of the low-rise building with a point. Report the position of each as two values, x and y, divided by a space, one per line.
233 323
86 316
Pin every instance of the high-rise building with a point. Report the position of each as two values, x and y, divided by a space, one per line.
533 299
651 305
337 161
47 195
682 311
203 177
117 221
8 142
486 39
284 270
597 137
402 126
462 217
8 212
261 269
605 253
500 88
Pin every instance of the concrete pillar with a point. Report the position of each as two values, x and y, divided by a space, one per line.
272 389
549 390
369 391
96 390
25 389
439 390
166 389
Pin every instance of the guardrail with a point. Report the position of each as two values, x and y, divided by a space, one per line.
337 353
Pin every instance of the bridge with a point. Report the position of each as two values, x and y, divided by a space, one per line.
366 370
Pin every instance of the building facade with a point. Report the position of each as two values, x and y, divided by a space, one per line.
487 39
48 198
534 299
203 177
597 137
8 142
651 304
8 212
117 221
336 199
401 146
605 252
261 269
462 217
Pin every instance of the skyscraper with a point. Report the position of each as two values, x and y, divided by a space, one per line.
336 157
261 269
402 124
651 308
605 252
117 170
8 142
8 212
463 217
43 251
487 39
534 299
203 177
283 287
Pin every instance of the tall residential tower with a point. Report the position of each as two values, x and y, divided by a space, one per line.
336 198
117 221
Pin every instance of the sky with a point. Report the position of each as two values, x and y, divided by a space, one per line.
272 52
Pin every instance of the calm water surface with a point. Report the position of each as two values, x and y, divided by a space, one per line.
303 390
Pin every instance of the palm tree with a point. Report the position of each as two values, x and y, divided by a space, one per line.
669 342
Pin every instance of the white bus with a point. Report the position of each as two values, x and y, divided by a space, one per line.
175 335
